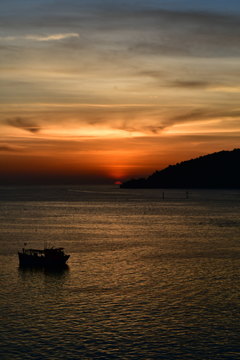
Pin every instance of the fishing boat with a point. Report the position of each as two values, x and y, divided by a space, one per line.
48 257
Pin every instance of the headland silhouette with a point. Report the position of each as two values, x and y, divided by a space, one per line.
213 171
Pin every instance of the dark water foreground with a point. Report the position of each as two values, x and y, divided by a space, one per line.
147 279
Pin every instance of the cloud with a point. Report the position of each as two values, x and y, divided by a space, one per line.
52 37
191 84
208 85
204 114
143 29
8 38
96 121
185 33
9 148
22 123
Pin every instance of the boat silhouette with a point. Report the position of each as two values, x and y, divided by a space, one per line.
48 257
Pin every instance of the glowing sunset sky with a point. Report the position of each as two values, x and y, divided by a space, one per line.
98 91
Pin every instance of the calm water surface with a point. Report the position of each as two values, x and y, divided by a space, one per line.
148 278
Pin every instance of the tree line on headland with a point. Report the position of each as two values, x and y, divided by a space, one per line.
213 171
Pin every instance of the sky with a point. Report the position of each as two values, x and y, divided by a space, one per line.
100 91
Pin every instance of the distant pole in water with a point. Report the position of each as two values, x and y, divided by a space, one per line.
163 196
187 195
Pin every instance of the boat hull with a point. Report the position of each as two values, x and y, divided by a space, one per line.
26 260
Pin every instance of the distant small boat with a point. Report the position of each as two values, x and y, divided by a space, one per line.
48 257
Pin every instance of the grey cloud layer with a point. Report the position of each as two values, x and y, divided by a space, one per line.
140 30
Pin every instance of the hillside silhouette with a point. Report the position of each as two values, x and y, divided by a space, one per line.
213 171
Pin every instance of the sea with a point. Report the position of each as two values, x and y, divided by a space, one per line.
152 274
